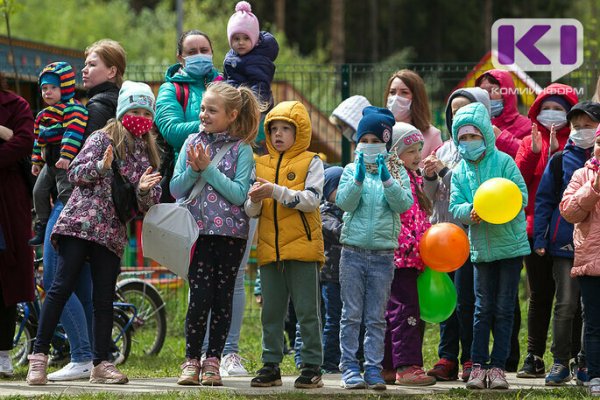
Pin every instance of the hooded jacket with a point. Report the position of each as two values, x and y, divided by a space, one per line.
254 69
174 123
580 206
532 165
63 123
513 125
488 242
101 106
290 223
551 231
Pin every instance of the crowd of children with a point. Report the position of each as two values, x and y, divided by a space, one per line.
346 237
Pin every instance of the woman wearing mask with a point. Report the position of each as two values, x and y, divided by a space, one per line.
406 98
510 127
549 133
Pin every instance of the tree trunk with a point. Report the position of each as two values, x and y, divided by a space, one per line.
12 53
280 15
337 32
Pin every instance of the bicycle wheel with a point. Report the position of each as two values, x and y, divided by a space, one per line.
23 341
150 324
121 338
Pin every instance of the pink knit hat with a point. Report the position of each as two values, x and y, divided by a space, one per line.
243 21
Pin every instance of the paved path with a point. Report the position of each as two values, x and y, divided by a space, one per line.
239 385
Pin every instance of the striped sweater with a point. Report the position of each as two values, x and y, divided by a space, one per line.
62 123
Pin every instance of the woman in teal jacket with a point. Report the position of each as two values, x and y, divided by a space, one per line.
497 250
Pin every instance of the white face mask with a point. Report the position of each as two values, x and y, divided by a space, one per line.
548 118
399 106
371 151
583 138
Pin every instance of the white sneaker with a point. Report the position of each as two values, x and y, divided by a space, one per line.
6 368
72 371
231 365
595 387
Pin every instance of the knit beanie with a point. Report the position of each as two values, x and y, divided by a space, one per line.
349 111
134 95
560 100
405 135
379 122
50 78
332 180
243 21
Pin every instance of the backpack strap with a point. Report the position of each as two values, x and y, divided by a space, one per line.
182 93
556 166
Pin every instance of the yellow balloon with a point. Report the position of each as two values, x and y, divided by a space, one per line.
498 201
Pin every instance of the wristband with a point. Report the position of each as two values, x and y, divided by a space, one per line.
443 172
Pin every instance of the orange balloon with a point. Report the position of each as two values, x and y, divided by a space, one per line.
444 247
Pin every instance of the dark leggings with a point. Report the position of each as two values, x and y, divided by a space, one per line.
8 316
105 266
212 276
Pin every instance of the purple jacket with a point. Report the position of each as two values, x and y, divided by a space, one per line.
90 212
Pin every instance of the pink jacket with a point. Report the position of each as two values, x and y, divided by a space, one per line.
415 222
581 207
433 140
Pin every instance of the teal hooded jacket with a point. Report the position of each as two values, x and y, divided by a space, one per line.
174 123
488 242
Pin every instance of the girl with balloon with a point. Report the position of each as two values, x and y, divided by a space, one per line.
403 359
497 247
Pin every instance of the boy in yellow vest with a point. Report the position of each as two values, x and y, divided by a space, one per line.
285 198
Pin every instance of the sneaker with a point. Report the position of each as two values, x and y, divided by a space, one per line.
40 231
444 370
190 372
310 377
6 368
466 370
581 377
558 375
269 375
38 364
210 372
413 376
477 378
595 387
72 371
533 367
497 379
106 372
351 379
231 365
389 376
373 379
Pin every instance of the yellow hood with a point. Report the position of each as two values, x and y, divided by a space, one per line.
295 113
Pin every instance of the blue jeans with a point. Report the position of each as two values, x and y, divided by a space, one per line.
365 279
77 315
330 292
239 301
458 329
496 287
590 286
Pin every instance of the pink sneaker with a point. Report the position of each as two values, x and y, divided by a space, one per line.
190 371
38 365
106 372
413 376
211 375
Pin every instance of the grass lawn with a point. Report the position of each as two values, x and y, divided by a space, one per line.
167 363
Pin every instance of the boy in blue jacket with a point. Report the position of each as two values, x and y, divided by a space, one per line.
497 250
554 235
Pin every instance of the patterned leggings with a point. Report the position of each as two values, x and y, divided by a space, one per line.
212 275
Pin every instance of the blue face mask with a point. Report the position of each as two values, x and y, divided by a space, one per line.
198 65
497 106
471 150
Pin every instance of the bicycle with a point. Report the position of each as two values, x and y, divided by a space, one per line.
138 306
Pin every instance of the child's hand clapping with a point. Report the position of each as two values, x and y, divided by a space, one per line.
361 171
108 157
148 180
596 183
474 217
384 173
199 157
262 189
536 139
432 165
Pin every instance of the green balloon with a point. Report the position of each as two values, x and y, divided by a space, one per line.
437 296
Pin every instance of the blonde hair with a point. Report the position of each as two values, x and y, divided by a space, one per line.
122 141
242 99
112 54
420 114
